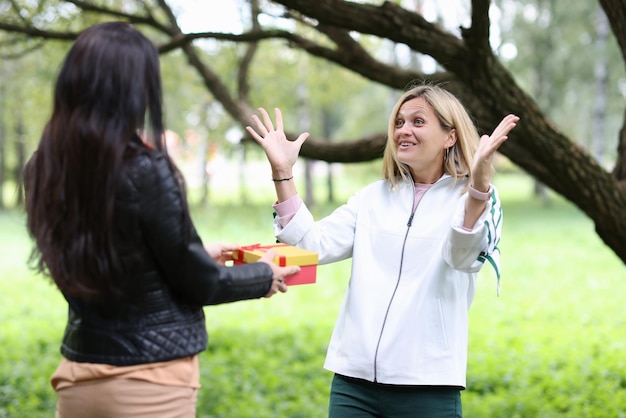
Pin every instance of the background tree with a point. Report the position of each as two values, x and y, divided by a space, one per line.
349 35
564 82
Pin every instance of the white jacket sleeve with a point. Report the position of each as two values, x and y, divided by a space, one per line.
468 250
332 237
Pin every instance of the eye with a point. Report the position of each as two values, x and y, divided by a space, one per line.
418 121
399 123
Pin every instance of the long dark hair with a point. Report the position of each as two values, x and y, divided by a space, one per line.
107 94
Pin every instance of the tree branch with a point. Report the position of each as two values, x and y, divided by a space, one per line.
246 62
615 11
387 21
38 33
477 37
21 53
131 18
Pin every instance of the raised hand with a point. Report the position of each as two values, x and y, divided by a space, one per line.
281 152
487 147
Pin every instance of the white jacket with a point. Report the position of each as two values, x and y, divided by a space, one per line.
404 318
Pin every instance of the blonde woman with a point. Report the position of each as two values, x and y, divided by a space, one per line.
417 239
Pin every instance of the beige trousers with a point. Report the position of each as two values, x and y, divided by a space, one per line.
126 398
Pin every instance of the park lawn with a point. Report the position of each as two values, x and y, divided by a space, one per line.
551 345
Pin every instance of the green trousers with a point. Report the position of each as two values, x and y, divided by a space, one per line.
357 398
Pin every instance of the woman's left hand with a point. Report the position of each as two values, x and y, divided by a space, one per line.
221 253
487 147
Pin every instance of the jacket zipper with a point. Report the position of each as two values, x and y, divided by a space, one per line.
382 329
406 235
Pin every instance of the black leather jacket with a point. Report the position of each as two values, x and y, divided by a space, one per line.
172 277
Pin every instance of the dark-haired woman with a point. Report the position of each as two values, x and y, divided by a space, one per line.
106 208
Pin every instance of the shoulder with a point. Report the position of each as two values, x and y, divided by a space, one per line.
385 188
145 163
144 169
369 191
379 193
140 157
379 187
450 186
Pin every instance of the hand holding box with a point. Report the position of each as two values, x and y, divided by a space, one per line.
286 255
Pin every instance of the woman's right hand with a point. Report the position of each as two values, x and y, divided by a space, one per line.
278 273
281 152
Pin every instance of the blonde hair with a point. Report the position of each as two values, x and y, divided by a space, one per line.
452 115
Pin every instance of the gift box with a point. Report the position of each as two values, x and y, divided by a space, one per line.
286 255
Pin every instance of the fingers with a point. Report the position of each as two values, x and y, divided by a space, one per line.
505 126
278 285
492 142
281 272
282 286
278 273
252 132
279 119
301 138
269 126
268 257
263 127
289 270
511 118
229 247
487 146
266 126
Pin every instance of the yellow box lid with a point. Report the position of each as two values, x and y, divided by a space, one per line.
286 255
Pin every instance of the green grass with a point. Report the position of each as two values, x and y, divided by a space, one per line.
552 344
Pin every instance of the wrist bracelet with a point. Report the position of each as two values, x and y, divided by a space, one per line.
478 195
285 179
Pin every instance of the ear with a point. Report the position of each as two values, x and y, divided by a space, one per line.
451 139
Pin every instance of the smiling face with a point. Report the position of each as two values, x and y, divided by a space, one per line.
420 140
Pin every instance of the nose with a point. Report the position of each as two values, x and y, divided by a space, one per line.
402 130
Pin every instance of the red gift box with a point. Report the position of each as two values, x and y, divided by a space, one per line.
286 255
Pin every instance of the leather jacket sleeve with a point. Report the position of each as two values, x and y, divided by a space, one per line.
178 250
